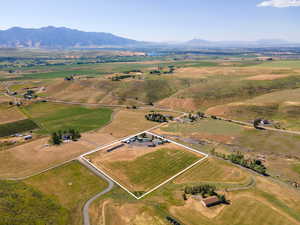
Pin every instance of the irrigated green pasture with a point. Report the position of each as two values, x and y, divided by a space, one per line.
153 168
52 117
141 173
17 127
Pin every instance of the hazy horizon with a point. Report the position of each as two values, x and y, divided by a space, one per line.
161 21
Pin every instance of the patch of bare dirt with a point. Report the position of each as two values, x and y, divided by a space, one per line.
267 77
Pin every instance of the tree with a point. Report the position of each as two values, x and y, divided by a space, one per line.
200 114
75 135
256 123
222 198
55 139
59 134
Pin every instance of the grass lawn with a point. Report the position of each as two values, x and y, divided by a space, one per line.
53 117
71 185
153 168
21 204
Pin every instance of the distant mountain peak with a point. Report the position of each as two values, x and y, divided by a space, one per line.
59 37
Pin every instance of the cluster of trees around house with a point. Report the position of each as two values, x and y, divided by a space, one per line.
30 94
205 190
172 220
239 158
195 117
160 70
157 117
58 137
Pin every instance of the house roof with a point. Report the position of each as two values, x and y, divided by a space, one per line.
210 200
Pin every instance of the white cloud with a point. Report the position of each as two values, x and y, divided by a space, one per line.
280 3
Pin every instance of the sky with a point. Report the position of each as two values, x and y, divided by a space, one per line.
162 20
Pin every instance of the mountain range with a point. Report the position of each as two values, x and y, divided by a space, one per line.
250 44
62 37
59 37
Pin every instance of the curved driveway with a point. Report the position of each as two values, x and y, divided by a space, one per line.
86 216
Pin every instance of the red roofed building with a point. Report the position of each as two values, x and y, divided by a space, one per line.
210 201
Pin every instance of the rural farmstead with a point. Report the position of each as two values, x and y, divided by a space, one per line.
113 120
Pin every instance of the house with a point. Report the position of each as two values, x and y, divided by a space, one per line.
210 201
27 137
158 142
151 145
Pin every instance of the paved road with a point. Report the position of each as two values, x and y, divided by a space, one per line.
86 216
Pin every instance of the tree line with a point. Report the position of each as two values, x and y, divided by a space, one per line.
238 158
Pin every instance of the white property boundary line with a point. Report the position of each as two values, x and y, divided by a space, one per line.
158 186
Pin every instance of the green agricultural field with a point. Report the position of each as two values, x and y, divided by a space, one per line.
53 117
17 127
56 74
71 185
23 204
153 168
294 64
100 69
